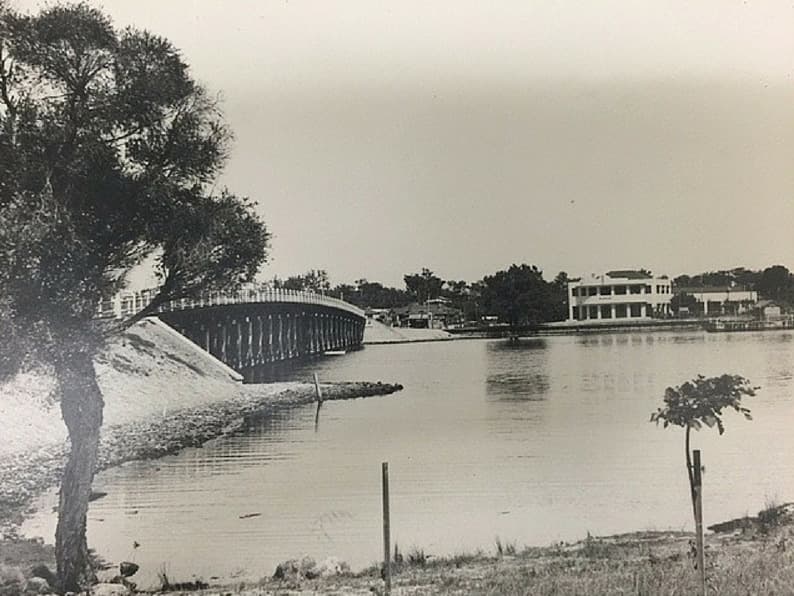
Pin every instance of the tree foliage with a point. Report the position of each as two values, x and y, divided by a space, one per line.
314 280
776 283
518 295
108 152
423 286
702 400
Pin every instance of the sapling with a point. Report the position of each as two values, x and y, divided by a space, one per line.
701 401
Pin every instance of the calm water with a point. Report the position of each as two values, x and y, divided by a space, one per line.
533 443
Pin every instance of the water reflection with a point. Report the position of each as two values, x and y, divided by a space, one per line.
517 371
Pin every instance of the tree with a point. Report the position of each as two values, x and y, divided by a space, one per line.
465 297
698 402
559 289
423 286
311 281
776 283
108 152
519 296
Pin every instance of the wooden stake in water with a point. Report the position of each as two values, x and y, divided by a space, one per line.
317 388
319 402
386 529
699 520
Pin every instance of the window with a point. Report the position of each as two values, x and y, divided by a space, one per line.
606 290
592 291
620 289
593 312
620 311
647 289
635 289
606 311
574 292
636 310
575 312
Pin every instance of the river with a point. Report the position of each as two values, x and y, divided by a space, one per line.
532 443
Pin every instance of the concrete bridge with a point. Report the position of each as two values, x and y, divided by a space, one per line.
255 331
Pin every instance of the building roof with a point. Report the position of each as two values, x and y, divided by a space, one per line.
629 274
618 276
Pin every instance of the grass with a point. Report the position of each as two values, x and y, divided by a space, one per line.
639 564
773 515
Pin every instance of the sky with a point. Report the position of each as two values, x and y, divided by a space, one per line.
378 138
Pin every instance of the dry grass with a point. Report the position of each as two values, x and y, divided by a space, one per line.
640 564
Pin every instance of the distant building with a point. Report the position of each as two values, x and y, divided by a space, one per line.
381 315
715 301
619 295
434 313
767 310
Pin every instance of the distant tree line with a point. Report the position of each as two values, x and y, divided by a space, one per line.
520 295
773 283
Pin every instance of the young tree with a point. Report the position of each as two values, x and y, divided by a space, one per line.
698 402
108 150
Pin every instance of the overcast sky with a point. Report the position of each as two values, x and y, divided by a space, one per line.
379 138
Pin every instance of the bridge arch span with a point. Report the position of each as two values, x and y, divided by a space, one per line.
256 331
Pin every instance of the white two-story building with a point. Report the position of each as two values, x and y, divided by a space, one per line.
619 295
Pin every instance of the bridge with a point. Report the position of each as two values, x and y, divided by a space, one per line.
254 331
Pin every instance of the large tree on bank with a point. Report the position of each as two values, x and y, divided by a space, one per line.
519 296
108 150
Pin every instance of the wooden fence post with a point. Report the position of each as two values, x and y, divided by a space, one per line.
386 530
701 558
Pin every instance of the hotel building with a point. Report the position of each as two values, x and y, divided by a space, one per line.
618 295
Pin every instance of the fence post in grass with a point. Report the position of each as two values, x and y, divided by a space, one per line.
386 529
701 558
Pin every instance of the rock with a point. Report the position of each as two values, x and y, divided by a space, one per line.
37 585
44 572
110 590
332 566
128 569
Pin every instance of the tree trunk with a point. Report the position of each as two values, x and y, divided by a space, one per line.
81 408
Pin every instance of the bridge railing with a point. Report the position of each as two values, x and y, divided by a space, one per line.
126 304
